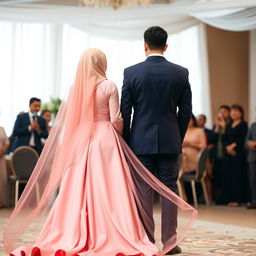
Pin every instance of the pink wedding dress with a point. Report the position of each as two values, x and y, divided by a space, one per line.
94 208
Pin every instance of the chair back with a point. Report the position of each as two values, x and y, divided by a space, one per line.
201 166
180 166
23 161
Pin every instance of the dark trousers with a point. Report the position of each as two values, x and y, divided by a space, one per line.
166 168
252 181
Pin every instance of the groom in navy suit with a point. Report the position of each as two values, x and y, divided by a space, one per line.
29 128
159 94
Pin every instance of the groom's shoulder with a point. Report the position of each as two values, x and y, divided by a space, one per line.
144 65
177 67
134 67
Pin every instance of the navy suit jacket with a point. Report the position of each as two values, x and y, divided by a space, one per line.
159 93
23 134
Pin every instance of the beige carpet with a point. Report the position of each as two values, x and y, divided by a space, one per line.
209 238
206 238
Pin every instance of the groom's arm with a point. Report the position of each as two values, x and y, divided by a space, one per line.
185 108
126 107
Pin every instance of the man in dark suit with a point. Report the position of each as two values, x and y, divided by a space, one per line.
251 145
29 128
155 89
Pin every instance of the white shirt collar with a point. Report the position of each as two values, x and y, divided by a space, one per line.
155 54
31 114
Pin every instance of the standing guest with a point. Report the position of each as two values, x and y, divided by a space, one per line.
209 134
218 152
201 122
4 144
251 145
234 191
47 115
30 128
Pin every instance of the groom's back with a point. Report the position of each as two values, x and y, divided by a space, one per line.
156 88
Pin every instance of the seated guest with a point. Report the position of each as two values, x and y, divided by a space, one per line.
47 115
234 188
29 128
193 143
201 121
12 141
218 155
251 145
4 192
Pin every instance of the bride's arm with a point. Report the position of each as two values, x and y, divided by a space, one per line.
114 108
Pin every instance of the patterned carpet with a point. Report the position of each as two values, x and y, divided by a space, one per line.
207 238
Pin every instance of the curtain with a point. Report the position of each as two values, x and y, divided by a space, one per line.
40 60
27 67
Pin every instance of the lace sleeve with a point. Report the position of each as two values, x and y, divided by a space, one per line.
114 108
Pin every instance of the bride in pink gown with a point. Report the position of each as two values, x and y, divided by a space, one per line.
83 197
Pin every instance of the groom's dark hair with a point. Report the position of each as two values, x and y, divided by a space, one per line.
155 37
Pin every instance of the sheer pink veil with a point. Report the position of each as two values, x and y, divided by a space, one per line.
68 140
75 117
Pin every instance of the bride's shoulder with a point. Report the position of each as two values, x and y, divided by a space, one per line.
109 87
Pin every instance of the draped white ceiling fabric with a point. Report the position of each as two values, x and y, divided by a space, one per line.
128 23
240 20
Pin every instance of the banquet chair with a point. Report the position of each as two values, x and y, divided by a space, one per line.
197 176
23 161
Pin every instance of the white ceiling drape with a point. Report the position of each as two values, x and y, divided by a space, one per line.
129 23
240 20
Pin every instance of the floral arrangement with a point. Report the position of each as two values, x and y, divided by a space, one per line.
53 105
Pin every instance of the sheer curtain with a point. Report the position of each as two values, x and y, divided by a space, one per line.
27 69
40 60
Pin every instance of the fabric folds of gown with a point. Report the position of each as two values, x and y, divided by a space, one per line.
97 209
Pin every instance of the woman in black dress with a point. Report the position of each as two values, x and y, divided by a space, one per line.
235 166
